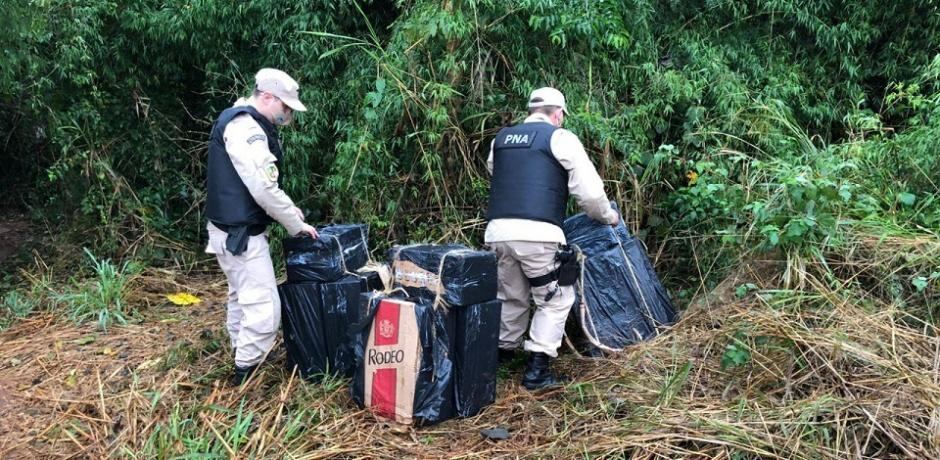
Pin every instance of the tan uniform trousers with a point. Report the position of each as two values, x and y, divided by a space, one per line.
254 308
517 261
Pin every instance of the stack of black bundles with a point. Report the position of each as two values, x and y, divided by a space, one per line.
315 318
462 280
624 301
320 299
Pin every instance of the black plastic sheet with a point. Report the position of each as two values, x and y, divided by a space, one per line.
371 281
662 311
624 301
466 276
341 248
316 319
434 389
476 356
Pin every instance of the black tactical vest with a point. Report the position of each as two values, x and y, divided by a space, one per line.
528 182
228 202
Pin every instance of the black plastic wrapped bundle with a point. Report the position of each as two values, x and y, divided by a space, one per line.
316 318
465 277
305 343
624 301
476 356
432 399
340 249
371 281
662 310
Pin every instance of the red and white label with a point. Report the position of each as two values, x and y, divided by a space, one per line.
384 388
392 361
386 322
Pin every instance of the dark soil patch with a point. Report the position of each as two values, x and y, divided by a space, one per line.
15 233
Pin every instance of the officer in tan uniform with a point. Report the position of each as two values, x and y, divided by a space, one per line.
534 167
244 196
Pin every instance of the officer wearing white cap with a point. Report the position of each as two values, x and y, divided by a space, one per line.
535 166
244 196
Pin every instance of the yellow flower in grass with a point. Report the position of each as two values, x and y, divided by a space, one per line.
692 176
183 298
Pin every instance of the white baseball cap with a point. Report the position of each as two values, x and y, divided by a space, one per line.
547 96
280 85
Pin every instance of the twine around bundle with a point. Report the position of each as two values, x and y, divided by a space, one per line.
585 312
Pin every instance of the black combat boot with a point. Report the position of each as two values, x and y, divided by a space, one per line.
538 373
592 352
241 374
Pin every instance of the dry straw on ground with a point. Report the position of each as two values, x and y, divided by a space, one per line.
827 376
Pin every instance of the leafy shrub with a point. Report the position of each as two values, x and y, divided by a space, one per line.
798 119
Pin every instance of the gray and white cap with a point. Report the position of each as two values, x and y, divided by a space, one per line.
547 96
280 85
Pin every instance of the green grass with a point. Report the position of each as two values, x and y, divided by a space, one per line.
15 305
101 298
20 303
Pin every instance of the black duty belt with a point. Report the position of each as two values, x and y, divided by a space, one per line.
253 230
237 241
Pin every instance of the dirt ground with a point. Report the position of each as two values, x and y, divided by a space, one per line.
60 383
833 379
15 231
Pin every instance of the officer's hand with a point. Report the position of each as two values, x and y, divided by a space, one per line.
616 220
309 230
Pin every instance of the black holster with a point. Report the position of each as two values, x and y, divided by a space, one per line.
569 268
237 241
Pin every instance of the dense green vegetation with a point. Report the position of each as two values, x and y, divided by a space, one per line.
794 115
803 133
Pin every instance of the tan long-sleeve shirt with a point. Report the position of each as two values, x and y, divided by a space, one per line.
583 183
247 145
